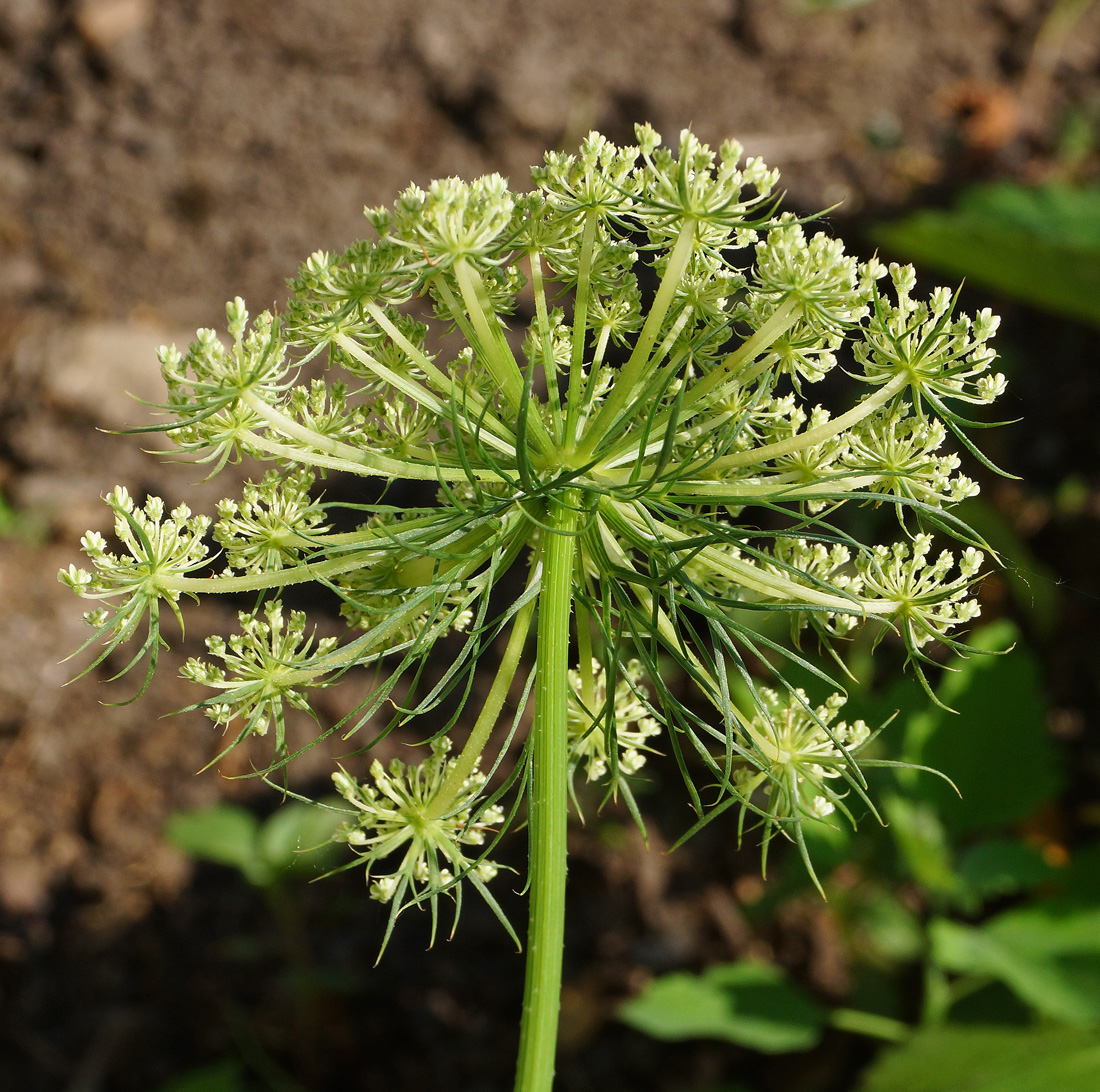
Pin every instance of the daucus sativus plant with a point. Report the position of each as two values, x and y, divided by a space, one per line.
641 460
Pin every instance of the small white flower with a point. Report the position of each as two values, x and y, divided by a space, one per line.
594 721
397 823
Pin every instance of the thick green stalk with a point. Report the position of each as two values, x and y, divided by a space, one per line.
549 798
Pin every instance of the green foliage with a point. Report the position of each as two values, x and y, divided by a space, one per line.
295 841
1047 954
17 523
1037 244
9 519
950 1059
992 981
999 699
922 843
1002 866
749 1003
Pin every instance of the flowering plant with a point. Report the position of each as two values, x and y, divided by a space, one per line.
646 453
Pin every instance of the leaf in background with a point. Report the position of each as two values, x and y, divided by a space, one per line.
1049 929
296 838
1048 955
1002 866
947 1059
1040 245
225 834
748 1003
997 750
1033 584
922 843
886 929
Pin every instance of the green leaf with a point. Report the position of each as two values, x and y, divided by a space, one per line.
748 1003
948 1059
997 750
1049 929
225 833
1040 245
919 836
1002 866
1033 584
224 1076
295 839
887 929
1049 955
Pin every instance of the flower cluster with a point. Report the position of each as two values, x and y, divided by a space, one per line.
609 738
941 355
802 749
647 466
266 667
401 814
268 528
928 604
131 588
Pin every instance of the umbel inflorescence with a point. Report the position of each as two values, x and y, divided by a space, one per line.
631 425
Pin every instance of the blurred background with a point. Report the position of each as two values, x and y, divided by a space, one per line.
158 157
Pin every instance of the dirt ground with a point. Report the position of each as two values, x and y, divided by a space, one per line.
158 157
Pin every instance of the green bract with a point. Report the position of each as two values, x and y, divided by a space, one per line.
631 425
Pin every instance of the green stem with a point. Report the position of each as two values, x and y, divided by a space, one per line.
777 487
334 454
487 718
477 422
707 391
549 804
406 385
419 471
549 366
445 555
353 456
580 326
780 320
802 440
646 532
626 382
498 355
422 395
870 1024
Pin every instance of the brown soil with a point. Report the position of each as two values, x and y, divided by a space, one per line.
160 156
